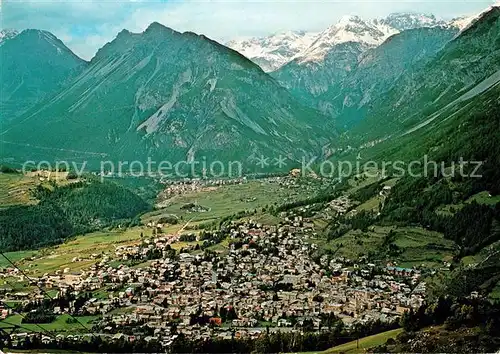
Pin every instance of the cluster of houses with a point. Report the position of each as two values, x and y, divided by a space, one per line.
266 277
261 278
188 185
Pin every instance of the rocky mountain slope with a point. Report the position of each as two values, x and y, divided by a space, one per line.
35 65
348 29
330 59
466 66
355 59
378 69
169 95
273 51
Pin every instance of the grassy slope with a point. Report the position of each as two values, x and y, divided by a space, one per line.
227 200
15 189
59 325
364 343
48 260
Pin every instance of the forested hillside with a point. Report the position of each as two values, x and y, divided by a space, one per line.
64 211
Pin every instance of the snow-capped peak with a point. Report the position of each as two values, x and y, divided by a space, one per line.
349 19
407 20
7 34
465 22
273 51
347 29
462 22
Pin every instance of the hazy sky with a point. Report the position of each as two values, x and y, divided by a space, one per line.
86 25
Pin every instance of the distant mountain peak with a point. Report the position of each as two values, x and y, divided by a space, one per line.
6 34
410 20
158 27
45 39
273 51
412 14
350 28
465 22
124 32
348 19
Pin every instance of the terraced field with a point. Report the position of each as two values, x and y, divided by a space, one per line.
417 246
14 189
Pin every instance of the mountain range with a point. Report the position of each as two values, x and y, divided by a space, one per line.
276 50
166 94
465 67
325 74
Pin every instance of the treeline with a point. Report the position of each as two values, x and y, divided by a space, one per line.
96 344
282 342
8 169
69 210
266 343
454 313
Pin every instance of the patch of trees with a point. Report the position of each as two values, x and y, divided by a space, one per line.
360 221
7 169
321 198
453 313
187 238
211 238
169 219
65 211
188 206
368 192
40 315
415 201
